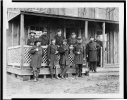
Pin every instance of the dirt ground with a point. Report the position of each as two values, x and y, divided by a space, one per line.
84 85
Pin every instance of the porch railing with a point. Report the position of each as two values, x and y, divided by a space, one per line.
14 56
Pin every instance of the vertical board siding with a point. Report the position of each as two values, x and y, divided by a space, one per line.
71 12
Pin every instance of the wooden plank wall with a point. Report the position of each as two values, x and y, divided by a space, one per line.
9 35
95 13
113 44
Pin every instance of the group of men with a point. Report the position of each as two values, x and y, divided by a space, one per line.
61 46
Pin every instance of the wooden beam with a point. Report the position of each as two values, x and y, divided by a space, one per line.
103 52
22 38
86 29
12 30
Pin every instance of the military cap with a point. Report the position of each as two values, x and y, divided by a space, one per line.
58 30
79 38
32 32
91 37
53 39
73 33
65 40
38 40
45 30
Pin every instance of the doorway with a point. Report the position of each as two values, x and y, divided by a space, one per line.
69 32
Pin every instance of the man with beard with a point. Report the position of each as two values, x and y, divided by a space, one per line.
91 52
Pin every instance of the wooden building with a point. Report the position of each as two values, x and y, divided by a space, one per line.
83 21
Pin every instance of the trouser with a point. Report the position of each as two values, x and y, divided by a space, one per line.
93 65
64 69
99 57
79 70
36 72
51 68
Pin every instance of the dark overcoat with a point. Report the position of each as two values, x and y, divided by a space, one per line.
72 41
78 58
99 49
91 51
36 58
59 39
64 55
52 57
44 39
31 41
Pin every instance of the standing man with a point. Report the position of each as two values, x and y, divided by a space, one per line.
72 41
79 56
44 38
37 53
91 52
52 57
59 38
31 39
64 58
99 50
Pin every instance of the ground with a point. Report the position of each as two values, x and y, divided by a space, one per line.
100 84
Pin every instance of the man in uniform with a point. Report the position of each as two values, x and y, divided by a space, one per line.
37 53
91 52
59 38
64 58
32 39
79 56
99 50
44 38
52 57
72 41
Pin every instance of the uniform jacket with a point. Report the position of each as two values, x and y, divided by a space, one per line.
44 39
91 51
72 41
31 41
78 58
59 39
36 58
64 55
52 57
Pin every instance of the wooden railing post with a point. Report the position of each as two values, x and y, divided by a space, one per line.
103 51
22 38
86 29
86 36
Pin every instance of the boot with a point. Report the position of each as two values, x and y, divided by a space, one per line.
52 76
57 77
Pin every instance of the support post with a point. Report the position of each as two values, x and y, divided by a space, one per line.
12 32
64 32
22 38
79 31
86 29
103 51
86 35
